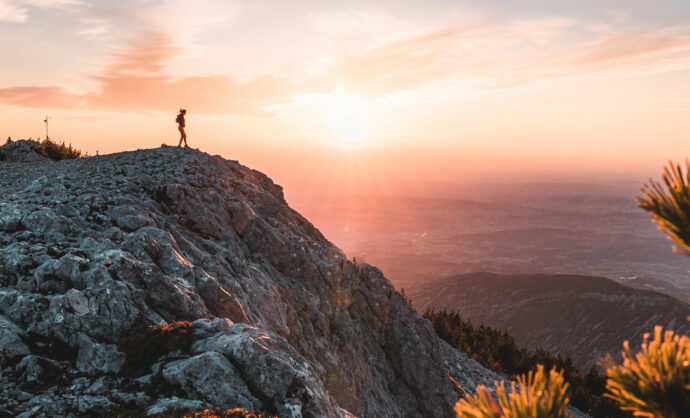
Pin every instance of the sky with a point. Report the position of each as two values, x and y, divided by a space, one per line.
359 94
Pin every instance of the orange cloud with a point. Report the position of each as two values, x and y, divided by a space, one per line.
489 56
619 49
135 81
509 55
401 65
47 97
147 58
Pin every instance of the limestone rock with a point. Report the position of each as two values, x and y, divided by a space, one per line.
128 217
94 404
10 218
211 377
276 371
22 151
95 250
171 405
11 344
37 370
94 357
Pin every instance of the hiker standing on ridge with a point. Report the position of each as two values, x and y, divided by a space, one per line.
180 127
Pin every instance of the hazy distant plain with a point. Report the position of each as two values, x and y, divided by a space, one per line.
569 228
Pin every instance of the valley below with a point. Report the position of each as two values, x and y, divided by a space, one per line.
574 268
530 228
585 318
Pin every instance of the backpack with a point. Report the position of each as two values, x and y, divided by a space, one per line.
179 119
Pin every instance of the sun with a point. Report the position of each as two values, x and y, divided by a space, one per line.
348 116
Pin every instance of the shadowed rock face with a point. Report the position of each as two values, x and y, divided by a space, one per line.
283 323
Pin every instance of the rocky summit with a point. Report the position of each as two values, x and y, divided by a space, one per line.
266 314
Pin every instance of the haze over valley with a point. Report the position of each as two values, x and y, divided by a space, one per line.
524 228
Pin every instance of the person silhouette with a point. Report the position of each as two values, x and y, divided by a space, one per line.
180 127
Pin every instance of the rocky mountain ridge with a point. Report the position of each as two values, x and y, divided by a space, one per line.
281 321
22 151
583 317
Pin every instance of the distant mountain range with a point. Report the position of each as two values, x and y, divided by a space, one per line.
583 317
583 229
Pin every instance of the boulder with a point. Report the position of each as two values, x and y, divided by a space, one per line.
95 358
273 368
37 370
175 404
211 377
11 344
10 218
129 217
94 404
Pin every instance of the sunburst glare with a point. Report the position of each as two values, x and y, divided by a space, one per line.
347 119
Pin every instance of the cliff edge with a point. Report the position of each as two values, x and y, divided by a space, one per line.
94 249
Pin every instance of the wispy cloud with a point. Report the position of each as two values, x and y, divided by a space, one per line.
141 41
368 26
135 81
633 47
11 12
52 97
52 3
394 57
491 54
17 11
511 55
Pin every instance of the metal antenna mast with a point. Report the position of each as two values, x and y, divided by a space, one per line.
46 122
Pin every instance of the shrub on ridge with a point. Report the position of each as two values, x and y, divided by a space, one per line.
656 381
536 395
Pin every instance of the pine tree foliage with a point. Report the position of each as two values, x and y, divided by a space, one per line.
655 382
536 395
58 151
669 204
498 351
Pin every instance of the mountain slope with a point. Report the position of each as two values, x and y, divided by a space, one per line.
582 317
93 249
